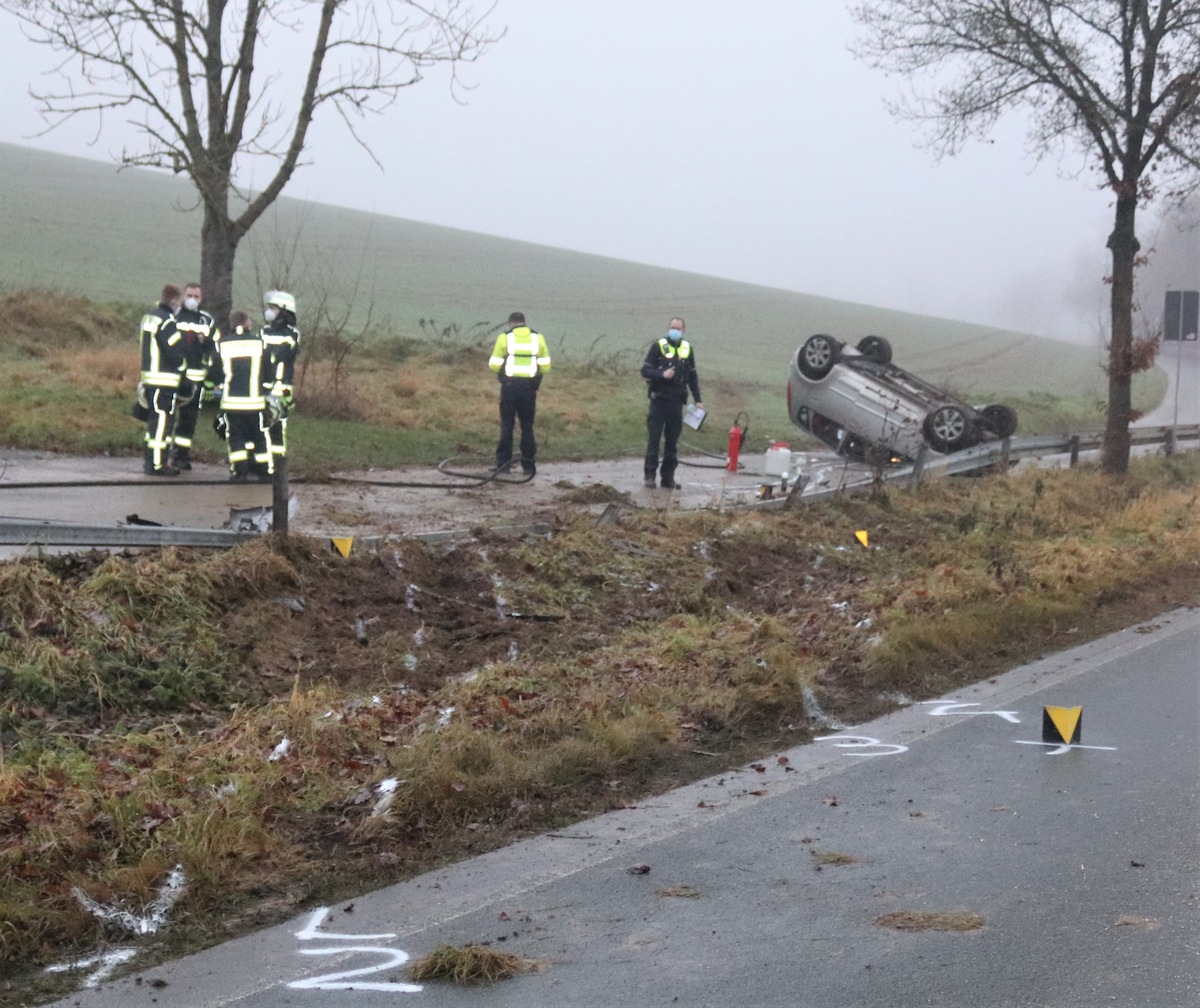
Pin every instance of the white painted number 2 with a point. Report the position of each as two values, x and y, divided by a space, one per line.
346 980
343 981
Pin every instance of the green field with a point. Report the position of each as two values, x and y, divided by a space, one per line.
81 226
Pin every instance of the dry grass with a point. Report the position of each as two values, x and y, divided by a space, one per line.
931 920
824 857
470 964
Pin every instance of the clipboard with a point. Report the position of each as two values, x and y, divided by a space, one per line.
694 417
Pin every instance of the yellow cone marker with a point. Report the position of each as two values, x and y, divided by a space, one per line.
1062 724
342 545
861 536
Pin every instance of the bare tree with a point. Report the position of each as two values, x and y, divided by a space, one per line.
1115 80
215 87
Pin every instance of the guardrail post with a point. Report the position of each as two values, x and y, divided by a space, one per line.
1005 446
1169 443
279 497
1073 447
918 467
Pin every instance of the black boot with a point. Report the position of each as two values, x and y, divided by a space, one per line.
150 469
181 458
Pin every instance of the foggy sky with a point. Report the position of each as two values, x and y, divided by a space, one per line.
737 138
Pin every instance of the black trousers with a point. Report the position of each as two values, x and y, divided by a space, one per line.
664 421
518 402
249 452
186 415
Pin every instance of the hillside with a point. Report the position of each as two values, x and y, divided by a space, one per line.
80 225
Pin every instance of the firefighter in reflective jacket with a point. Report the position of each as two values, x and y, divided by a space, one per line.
162 370
238 364
281 340
520 359
198 330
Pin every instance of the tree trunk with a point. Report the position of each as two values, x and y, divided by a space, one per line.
218 246
1124 246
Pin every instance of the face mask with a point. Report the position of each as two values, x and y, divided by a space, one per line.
675 336
191 303
270 314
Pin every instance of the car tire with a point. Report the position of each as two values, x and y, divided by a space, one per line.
876 349
818 355
948 428
1001 420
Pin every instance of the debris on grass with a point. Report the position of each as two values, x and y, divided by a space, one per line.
470 964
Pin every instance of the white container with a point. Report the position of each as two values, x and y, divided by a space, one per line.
778 459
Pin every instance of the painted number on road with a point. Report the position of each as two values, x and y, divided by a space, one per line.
346 980
942 708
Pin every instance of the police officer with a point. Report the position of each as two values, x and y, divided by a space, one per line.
670 373
520 359
239 362
281 341
162 371
198 330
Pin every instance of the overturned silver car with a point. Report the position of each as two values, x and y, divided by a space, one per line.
854 399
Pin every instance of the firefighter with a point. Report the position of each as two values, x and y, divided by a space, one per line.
162 372
199 330
670 373
520 359
239 363
281 341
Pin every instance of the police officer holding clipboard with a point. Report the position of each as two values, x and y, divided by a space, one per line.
670 373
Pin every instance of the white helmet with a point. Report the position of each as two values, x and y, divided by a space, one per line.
280 299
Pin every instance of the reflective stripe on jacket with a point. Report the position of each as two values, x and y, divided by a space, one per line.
199 329
282 342
667 350
241 355
521 353
162 350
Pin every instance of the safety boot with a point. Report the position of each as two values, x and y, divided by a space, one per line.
181 458
150 469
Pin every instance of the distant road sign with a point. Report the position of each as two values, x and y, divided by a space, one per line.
1181 315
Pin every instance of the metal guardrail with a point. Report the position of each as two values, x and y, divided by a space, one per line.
32 532
851 479
857 479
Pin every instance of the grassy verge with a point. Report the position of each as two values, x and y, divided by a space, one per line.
145 697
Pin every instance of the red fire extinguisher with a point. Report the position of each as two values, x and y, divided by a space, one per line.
737 434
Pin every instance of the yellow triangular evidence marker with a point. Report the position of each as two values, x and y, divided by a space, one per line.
1062 724
342 545
861 536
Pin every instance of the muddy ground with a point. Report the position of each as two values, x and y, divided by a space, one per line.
377 502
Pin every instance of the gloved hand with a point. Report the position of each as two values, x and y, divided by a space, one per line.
287 401
221 427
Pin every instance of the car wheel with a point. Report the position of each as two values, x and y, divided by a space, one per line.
947 428
817 357
876 349
999 419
